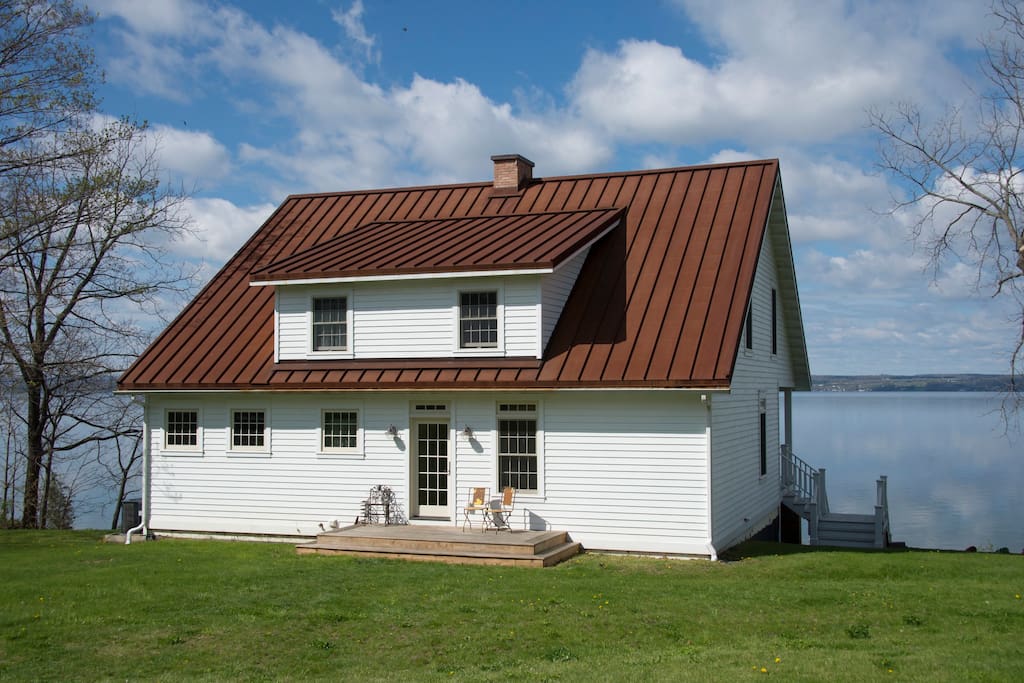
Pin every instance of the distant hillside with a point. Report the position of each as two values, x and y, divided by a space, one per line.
951 382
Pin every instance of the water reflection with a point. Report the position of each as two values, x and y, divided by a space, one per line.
955 480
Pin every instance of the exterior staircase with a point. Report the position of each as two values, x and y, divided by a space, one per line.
804 492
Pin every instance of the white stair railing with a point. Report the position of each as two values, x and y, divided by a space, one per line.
882 512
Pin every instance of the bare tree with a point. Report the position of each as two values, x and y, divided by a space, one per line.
963 174
85 247
47 74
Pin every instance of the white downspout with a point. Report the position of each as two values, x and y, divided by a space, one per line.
705 400
146 464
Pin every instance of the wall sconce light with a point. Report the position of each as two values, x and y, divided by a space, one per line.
392 431
468 432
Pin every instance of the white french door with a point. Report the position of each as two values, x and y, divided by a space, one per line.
431 466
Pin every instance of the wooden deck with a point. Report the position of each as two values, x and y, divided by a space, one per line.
446 544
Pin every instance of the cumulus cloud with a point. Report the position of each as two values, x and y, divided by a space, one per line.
196 157
220 227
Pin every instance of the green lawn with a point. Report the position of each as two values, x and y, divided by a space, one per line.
73 608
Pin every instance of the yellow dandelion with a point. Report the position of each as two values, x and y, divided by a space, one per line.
777 660
764 670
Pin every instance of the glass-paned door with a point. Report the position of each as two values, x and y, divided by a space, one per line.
431 459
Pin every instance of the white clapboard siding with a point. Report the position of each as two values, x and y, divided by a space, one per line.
743 500
410 318
555 289
619 470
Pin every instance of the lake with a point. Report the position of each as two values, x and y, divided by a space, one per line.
955 479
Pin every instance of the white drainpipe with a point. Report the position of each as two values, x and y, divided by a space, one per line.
144 524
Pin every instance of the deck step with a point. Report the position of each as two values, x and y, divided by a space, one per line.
550 557
847 530
435 544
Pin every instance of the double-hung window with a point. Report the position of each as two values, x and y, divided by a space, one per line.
339 431
181 430
517 446
330 323
249 430
478 320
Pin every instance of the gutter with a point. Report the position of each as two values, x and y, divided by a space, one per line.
146 464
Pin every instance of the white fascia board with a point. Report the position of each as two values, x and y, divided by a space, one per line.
407 276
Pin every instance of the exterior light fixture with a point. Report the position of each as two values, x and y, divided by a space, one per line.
468 432
392 431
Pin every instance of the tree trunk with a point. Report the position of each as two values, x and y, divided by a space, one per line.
33 456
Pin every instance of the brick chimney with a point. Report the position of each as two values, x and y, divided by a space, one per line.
512 173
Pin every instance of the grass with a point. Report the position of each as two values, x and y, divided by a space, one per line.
73 608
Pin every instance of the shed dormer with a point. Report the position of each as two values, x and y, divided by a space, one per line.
490 286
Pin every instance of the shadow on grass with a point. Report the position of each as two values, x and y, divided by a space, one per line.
752 549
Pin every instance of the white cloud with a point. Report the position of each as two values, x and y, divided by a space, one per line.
220 228
195 157
352 22
169 17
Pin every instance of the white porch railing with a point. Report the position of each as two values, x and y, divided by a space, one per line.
803 489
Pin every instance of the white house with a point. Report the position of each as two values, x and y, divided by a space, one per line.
620 347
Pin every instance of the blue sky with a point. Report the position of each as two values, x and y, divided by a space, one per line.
251 101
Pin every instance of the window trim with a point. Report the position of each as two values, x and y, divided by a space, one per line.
538 416
332 293
325 451
168 449
499 348
232 449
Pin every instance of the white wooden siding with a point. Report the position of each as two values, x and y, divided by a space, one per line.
555 290
411 319
620 470
743 500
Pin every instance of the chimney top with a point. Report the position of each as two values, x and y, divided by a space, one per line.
512 172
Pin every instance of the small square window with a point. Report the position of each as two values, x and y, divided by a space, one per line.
248 429
340 430
478 320
330 324
181 430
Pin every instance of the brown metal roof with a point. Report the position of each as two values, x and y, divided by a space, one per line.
446 245
660 300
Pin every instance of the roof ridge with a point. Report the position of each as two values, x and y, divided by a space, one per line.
536 180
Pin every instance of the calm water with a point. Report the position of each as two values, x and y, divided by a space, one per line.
955 480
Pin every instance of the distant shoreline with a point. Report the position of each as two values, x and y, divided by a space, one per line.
937 382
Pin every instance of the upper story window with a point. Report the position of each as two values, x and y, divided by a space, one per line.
748 327
330 323
775 323
478 320
181 430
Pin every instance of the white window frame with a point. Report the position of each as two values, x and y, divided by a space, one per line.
499 348
538 415
326 451
347 352
175 449
265 449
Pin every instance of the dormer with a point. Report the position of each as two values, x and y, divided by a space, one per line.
479 286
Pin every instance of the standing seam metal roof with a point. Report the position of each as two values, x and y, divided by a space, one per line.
659 302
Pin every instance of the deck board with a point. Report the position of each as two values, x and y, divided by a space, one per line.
446 544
